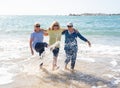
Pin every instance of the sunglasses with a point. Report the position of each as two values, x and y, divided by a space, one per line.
69 26
37 26
55 25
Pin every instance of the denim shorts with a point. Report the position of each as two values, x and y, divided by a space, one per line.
40 47
55 52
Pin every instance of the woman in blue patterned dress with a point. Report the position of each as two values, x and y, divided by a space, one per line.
71 46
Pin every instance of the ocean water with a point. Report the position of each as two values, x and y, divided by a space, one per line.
102 31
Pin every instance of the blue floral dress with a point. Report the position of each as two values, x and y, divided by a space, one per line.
71 46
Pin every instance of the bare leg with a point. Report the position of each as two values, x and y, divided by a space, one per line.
55 55
54 63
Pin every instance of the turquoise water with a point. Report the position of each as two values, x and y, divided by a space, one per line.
90 25
99 29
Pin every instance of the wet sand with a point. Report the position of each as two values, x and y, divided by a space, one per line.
86 75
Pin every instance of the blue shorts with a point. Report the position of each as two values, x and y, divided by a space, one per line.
55 52
40 47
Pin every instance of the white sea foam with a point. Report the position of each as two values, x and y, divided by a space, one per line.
87 59
108 75
116 70
104 86
114 63
13 48
5 76
101 49
117 79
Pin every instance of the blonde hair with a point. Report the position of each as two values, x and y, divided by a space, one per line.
53 24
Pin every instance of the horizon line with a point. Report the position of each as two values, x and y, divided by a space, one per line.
100 13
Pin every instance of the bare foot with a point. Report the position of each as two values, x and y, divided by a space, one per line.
53 68
72 70
67 68
57 67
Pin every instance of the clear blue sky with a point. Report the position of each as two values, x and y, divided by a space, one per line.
57 7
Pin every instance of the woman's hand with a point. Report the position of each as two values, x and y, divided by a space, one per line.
32 52
45 32
89 43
